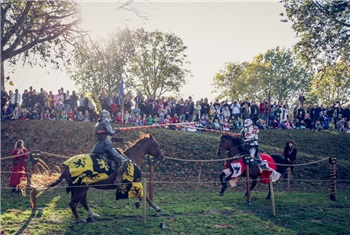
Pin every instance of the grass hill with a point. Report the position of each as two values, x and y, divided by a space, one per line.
65 138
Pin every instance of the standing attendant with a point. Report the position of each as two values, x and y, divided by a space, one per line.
290 154
19 164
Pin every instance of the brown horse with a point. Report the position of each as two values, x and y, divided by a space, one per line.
233 146
145 146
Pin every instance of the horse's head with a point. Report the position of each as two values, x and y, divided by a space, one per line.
229 144
154 149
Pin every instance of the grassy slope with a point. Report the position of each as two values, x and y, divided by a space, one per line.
305 212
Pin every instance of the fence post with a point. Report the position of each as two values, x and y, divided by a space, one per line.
272 198
34 158
333 163
247 162
199 180
144 201
288 180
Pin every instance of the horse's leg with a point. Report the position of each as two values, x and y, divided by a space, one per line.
223 183
254 183
150 203
87 208
77 195
269 194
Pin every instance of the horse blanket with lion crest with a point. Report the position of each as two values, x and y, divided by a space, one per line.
86 170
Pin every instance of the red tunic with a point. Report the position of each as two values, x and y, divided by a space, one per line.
19 167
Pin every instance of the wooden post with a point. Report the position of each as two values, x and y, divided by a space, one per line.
272 198
144 201
151 184
34 158
33 191
199 181
288 180
333 162
249 201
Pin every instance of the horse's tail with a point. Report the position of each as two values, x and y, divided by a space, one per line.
279 160
46 180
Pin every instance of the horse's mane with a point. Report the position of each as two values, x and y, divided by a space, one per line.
142 136
238 142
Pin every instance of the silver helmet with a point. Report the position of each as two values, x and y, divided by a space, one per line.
248 122
104 115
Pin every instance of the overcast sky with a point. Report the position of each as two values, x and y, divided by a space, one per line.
214 32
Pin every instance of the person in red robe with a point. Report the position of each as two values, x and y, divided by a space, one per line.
19 164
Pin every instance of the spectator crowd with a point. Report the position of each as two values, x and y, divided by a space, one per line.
200 114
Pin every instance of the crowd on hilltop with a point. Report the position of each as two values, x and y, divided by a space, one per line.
199 115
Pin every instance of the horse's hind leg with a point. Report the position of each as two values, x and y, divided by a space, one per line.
150 202
223 183
87 208
269 194
254 183
77 196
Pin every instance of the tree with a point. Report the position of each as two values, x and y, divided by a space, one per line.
102 64
230 83
332 84
324 29
31 28
278 73
158 65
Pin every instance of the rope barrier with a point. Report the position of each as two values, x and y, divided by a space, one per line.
190 182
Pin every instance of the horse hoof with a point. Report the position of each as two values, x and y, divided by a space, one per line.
267 198
80 221
137 205
94 215
90 219
221 194
158 210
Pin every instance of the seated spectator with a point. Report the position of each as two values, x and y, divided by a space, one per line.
325 122
150 120
47 115
53 114
69 114
86 116
25 114
80 117
302 125
275 124
341 125
318 126
16 114
118 118
216 125
308 122
225 125
126 117
261 124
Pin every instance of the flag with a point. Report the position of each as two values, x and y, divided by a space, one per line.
121 93
94 100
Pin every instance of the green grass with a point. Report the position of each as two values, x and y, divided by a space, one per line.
183 212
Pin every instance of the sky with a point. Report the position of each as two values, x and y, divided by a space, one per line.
214 32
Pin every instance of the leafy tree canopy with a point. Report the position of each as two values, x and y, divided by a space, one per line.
324 29
32 28
159 64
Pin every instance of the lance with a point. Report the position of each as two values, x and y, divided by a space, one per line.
153 126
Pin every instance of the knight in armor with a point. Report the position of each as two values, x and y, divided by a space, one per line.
103 132
250 137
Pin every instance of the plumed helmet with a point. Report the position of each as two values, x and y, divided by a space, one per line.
248 122
104 114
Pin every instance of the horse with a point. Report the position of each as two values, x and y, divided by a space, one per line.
145 146
233 146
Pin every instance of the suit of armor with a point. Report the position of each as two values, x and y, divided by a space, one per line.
103 132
